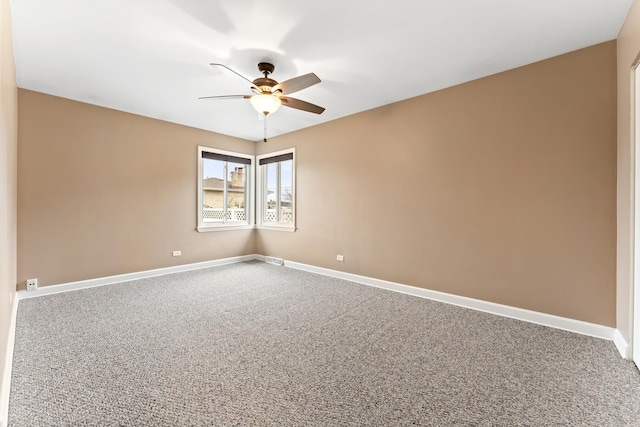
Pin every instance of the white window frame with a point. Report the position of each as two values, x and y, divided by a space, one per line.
261 180
249 194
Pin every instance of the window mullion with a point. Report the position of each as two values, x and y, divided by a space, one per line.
278 192
247 194
264 200
224 194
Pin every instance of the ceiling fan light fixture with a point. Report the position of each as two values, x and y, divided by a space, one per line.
265 104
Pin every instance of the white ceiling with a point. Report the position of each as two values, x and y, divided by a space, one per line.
151 57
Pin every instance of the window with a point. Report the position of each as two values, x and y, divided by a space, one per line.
225 183
276 190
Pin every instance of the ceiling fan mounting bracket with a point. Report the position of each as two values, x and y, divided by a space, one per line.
266 68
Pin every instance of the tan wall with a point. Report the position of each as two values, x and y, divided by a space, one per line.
628 54
102 192
8 181
513 179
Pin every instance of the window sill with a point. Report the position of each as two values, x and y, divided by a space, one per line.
207 228
287 228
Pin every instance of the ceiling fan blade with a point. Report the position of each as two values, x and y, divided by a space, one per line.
226 97
297 83
234 72
301 105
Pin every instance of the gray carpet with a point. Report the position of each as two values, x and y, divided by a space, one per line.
253 344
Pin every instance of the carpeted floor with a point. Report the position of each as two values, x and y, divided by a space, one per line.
254 344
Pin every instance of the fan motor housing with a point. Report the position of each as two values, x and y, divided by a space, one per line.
265 83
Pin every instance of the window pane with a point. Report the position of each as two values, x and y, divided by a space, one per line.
236 195
286 191
271 191
212 191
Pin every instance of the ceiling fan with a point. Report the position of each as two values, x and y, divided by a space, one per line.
269 94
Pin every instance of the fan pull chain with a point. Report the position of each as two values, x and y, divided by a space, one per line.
265 127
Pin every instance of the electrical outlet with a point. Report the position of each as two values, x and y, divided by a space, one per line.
32 284
340 257
177 253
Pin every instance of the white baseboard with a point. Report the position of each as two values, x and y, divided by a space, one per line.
621 345
5 386
572 325
101 281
